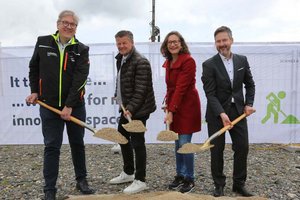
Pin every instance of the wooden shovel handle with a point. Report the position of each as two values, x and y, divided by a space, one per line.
73 119
234 122
225 128
127 116
167 122
167 125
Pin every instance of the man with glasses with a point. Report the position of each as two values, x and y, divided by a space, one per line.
58 72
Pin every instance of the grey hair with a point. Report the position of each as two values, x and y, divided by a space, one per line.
124 33
68 13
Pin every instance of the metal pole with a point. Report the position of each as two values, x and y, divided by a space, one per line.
153 22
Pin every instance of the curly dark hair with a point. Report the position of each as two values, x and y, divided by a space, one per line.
164 46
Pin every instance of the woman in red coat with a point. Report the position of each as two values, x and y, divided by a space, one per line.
182 104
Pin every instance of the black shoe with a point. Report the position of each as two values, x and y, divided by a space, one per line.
50 195
188 186
178 181
242 191
219 191
83 187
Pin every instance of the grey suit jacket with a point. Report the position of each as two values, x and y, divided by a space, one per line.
218 88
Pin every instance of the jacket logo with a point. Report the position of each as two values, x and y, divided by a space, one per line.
77 54
72 58
51 54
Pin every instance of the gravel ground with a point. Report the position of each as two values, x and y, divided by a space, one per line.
273 172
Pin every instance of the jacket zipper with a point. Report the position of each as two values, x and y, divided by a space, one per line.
63 66
66 60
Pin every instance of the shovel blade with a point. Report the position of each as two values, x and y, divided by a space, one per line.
194 148
205 147
135 126
112 135
189 148
167 136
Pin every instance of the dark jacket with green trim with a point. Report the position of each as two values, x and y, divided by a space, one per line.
136 84
59 77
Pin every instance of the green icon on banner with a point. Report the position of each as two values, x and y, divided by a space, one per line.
274 109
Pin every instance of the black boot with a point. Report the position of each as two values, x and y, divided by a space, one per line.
50 195
219 191
242 191
178 181
83 187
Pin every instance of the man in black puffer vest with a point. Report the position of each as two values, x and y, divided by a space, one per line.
134 90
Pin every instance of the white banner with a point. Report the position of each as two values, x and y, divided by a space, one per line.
275 68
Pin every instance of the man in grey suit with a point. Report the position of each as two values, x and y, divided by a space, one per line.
223 77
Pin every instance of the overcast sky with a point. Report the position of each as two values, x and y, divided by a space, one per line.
250 20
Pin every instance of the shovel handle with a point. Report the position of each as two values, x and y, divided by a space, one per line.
225 128
234 122
167 122
127 116
73 119
167 125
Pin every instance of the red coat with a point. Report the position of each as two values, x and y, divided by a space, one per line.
182 97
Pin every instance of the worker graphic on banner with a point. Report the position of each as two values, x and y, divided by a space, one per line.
274 109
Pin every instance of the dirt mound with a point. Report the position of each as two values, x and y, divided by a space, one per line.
158 196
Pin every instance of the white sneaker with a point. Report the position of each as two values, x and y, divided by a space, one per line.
122 178
136 186
116 148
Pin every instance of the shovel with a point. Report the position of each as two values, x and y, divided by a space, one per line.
193 148
135 126
109 134
167 135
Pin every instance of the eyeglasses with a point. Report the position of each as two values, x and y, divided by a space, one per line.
66 24
175 42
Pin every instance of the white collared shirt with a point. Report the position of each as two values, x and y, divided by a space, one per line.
62 46
228 63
